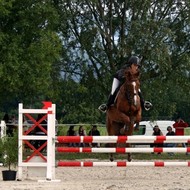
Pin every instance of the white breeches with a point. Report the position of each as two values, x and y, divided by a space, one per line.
115 85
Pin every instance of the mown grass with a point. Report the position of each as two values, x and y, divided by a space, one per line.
62 129
136 156
105 156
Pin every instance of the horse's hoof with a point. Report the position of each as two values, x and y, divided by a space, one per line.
129 159
111 159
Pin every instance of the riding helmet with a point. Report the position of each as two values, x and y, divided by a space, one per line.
135 60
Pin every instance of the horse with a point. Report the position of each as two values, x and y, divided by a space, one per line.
126 110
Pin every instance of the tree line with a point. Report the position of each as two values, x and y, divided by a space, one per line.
67 51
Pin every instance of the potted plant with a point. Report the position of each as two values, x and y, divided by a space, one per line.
9 155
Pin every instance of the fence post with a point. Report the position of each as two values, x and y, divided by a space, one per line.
3 129
20 144
50 173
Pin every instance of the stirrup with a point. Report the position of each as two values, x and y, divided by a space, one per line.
147 105
103 108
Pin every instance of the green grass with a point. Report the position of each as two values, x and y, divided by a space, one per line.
62 130
136 156
105 156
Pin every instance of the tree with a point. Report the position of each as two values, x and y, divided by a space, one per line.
29 48
82 43
100 35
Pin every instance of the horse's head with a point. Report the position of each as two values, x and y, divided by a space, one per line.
130 76
132 86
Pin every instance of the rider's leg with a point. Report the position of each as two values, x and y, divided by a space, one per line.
115 86
111 98
141 99
144 104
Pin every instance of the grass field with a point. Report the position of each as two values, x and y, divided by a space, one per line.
136 156
62 129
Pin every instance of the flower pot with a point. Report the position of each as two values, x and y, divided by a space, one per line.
9 175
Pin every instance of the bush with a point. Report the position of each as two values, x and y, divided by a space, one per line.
9 150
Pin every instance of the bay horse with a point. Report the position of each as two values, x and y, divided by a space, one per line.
126 110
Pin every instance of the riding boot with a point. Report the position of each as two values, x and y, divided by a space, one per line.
146 105
115 87
141 99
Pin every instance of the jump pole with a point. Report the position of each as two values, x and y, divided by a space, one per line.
120 164
121 150
123 139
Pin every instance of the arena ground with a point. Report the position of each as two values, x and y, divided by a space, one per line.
109 178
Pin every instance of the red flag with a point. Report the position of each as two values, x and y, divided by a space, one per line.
46 105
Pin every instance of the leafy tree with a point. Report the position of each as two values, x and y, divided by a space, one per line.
29 48
68 50
100 34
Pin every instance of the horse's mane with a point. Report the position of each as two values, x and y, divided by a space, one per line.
129 76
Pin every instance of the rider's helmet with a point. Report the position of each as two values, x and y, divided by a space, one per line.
134 60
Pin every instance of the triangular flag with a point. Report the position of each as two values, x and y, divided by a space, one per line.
46 105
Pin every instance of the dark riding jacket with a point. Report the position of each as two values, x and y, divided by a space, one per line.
120 73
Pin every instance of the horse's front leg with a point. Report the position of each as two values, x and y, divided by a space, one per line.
129 132
138 119
111 154
118 116
111 157
121 117
129 156
131 127
127 129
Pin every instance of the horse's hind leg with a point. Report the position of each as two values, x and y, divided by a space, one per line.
116 115
111 157
129 133
129 157
113 129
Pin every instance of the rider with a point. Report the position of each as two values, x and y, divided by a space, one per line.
133 64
